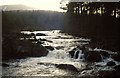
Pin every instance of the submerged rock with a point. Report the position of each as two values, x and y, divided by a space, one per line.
116 57
105 54
40 34
49 48
111 63
93 56
67 67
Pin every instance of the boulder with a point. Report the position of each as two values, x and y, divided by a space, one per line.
67 67
72 52
49 48
38 50
111 63
93 56
116 57
40 34
5 65
108 74
14 48
117 68
31 49
105 54
32 34
59 47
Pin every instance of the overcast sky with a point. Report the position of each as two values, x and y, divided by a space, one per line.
39 4
42 4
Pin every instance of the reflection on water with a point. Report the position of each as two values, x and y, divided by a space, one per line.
62 44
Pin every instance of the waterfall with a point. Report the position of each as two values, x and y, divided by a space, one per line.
79 55
75 54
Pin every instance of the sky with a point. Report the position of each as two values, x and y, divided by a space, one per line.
53 5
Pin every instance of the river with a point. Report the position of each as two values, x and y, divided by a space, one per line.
62 43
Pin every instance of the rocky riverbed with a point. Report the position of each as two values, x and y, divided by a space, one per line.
54 53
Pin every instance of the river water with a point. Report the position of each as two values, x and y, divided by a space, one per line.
45 66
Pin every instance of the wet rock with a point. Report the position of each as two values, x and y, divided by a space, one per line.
38 50
67 67
49 48
111 63
116 57
93 56
105 54
40 34
87 68
72 52
22 35
49 41
59 47
22 48
43 39
5 65
117 68
32 34
33 50
108 74
46 64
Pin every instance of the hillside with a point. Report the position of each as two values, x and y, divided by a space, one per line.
16 7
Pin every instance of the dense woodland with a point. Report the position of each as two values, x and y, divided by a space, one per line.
103 29
30 20
97 8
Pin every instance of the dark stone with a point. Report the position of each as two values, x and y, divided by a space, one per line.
22 35
49 41
38 50
43 39
108 74
40 34
93 56
67 67
116 57
72 52
117 68
111 63
49 48
5 65
59 47
105 54
13 48
32 34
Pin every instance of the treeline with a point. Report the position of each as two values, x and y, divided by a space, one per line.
97 8
103 30
13 21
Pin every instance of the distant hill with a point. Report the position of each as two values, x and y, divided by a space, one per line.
16 7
